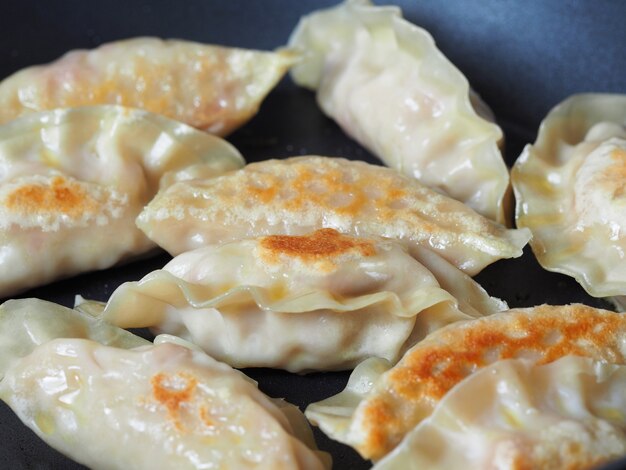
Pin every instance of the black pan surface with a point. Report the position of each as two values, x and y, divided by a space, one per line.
522 57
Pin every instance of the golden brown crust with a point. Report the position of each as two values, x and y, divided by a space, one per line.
300 194
157 96
428 371
305 187
206 418
542 334
172 397
321 245
343 191
619 155
59 197
616 173
209 87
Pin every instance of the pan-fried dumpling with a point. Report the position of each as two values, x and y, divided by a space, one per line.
73 181
569 187
566 414
301 194
388 86
154 406
470 295
209 87
380 405
320 301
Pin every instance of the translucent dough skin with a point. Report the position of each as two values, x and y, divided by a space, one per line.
513 414
209 87
163 406
569 191
28 323
73 181
374 418
301 194
322 301
388 86
137 405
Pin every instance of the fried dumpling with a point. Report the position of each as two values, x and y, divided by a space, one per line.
162 405
301 194
73 181
209 87
321 301
380 405
512 414
569 187
388 86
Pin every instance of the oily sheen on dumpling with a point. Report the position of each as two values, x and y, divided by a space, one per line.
73 181
320 301
513 414
301 194
162 405
388 86
209 87
569 187
381 404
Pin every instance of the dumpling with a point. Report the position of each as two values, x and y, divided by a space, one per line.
209 87
381 404
73 181
162 405
569 187
301 194
321 301
566 414
27 324
388 86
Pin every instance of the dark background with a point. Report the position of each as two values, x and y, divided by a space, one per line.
521 57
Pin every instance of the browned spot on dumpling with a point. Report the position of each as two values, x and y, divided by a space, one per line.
321 245
59 197
172 392
265 189
426 373
206 418
345 192
209 87
619 155
309 192
616 174
137 87
380 411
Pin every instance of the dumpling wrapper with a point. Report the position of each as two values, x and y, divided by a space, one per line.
321 301
162 405
28 323
388 86
301 194
209 87
381 404
569 187
512 414
73 181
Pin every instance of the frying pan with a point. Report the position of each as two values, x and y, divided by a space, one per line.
522 57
